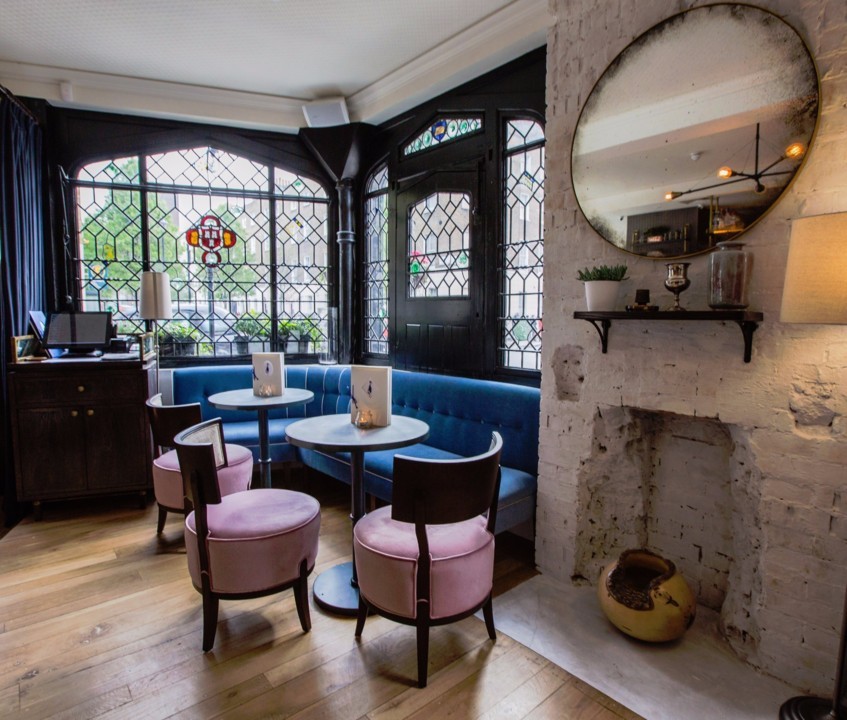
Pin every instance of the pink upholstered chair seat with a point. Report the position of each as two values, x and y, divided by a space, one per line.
275 530
386 553
167 477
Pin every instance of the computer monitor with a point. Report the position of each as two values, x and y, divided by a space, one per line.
78 332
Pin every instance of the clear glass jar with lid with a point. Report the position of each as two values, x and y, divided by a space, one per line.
730 267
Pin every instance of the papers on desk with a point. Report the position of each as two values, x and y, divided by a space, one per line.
370 393
119 356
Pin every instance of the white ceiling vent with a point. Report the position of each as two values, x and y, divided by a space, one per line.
326 113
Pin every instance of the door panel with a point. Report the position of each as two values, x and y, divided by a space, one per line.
438 275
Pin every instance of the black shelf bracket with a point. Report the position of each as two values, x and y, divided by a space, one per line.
747 321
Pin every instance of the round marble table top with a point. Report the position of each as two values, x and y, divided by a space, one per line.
244 399
336 433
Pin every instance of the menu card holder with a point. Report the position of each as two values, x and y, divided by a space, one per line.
268 374
370 394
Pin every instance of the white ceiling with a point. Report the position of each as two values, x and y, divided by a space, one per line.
255 63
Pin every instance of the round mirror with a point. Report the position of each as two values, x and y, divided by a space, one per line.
695 130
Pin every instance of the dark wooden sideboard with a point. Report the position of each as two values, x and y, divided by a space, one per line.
79 428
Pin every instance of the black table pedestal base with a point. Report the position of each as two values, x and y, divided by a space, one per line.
334 591
806 708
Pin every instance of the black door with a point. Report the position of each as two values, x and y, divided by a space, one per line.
438 275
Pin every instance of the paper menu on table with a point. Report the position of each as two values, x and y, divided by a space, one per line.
370 393
268 374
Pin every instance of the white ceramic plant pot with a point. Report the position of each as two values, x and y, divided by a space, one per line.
601 295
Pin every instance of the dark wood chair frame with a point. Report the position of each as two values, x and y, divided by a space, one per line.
166 421
437 492
200 474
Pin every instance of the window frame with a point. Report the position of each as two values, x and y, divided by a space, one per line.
275 167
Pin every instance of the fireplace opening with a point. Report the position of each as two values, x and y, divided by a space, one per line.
680 486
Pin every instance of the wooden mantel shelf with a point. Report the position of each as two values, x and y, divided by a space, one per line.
746 320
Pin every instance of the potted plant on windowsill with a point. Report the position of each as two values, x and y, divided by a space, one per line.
178 339
602 286
288 334
250 329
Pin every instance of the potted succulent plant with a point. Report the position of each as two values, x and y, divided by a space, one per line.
602 286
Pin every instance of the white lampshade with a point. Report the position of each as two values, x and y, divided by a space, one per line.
155 296
816 275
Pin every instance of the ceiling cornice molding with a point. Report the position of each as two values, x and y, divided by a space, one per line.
516 29
138 96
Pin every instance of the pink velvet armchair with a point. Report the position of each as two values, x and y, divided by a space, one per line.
246 544
428 559
170 493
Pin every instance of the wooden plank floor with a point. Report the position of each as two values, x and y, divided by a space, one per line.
98 619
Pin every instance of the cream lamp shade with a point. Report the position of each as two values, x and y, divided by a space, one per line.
155 296
816 274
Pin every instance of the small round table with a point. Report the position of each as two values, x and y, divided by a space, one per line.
337 588
244 399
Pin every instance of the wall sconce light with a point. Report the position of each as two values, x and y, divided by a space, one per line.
816 274
816 292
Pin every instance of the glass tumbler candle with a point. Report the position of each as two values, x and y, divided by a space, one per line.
729 276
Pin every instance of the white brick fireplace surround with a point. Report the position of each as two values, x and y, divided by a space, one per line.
735 471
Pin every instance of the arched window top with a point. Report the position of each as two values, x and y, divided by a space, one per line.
378 180
206 167
521 133
202 167
443 130
114 171
287 183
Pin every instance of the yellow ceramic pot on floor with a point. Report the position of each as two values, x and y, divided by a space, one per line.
645 596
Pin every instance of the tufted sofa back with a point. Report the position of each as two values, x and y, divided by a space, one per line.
461 412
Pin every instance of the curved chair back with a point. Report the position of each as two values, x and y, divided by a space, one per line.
168 420
436 492
201 451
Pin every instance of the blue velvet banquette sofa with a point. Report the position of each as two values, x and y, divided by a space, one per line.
461 414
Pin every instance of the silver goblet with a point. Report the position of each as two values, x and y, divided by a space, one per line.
677 281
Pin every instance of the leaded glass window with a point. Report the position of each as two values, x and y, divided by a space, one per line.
522 251
443 130
438 257
268 291
376 263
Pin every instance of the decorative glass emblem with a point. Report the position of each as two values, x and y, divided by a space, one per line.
443 130
211 235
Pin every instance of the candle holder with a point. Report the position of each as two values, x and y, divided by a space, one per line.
677 281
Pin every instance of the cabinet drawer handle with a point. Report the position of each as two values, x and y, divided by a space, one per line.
80 388
89 412
74 413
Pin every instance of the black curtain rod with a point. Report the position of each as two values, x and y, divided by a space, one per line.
17 103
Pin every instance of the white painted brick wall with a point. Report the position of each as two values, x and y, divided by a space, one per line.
786 476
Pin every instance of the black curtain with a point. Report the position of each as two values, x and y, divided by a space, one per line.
22 282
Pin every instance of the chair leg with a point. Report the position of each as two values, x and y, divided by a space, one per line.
488 614
163 514
210 620
423 650
362 616
301 599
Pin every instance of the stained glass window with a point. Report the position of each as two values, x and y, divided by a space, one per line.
270 290
376 263
522 250
442 131
438 256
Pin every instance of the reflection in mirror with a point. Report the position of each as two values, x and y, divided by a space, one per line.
695 130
